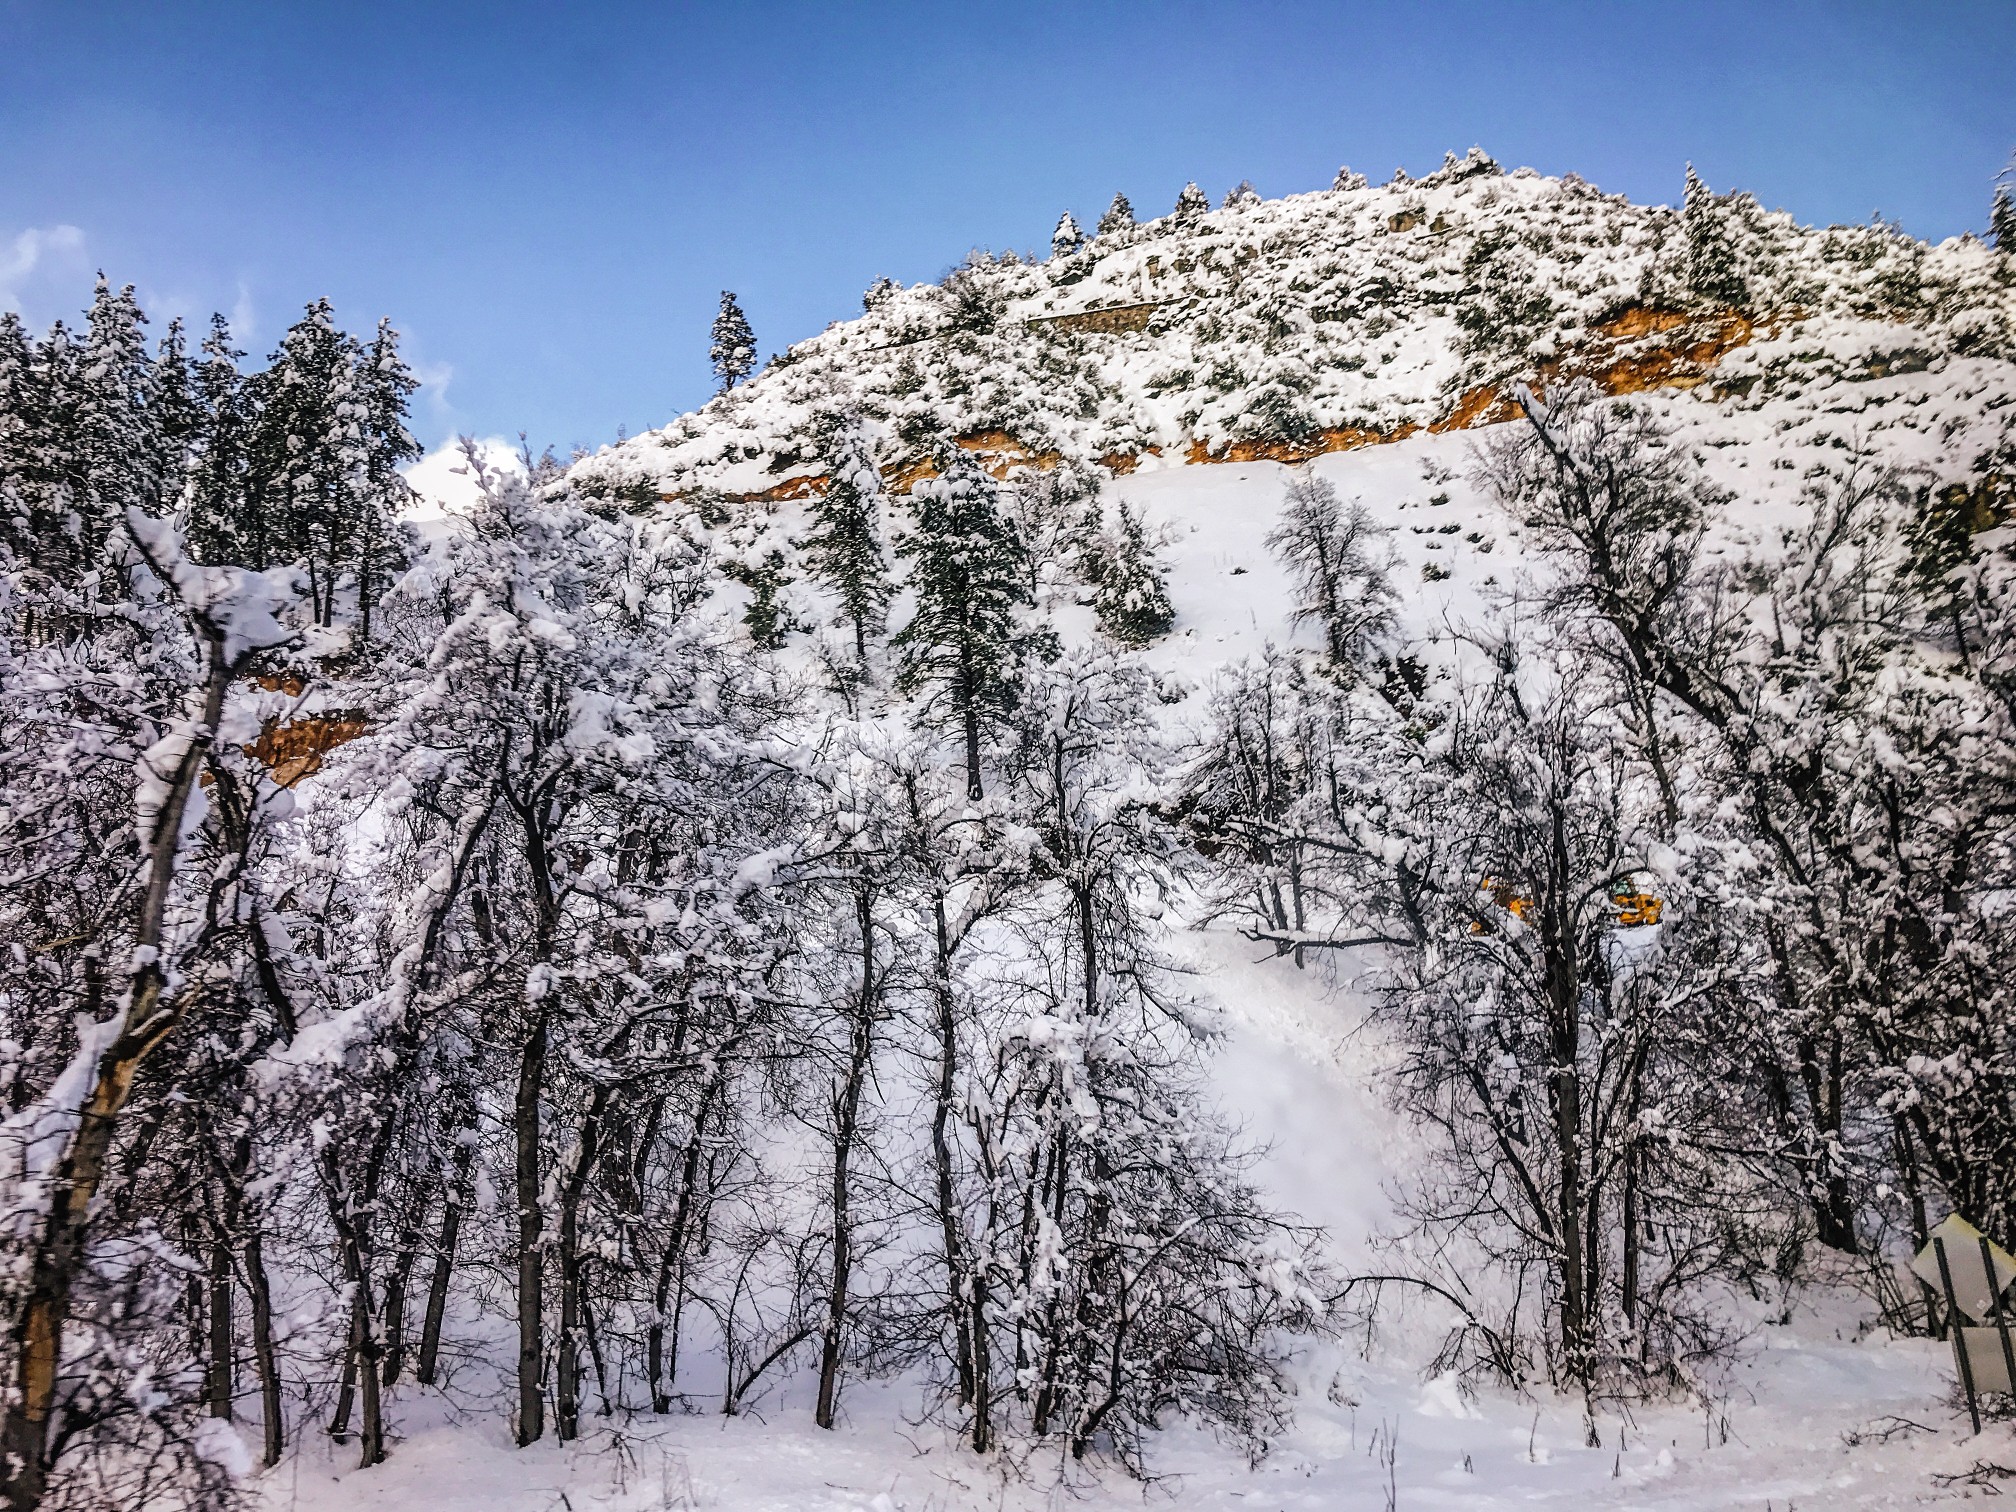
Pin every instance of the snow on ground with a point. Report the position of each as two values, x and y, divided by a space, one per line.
1299 1071
1300 1077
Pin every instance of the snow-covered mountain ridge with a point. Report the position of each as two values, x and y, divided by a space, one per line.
1321 322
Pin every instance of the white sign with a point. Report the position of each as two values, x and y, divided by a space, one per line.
1985 1359
1973 1288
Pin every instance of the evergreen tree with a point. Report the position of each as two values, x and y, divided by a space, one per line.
384 392
1067 238
880 293
49 482
962 645
1242 193
17 357
118 437
733 352
1504 310
177 407
1191 204
306 454
2002 219
1131 591
1119 218
222 525
1712 273
1348 179
844 550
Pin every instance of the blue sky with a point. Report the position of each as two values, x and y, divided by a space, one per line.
548 198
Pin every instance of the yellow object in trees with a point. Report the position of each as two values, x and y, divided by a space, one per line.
1637 908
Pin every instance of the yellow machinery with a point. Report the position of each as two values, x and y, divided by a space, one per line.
1635 908
1506 897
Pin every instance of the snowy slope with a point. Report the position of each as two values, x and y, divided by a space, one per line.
1325 328
1296 1072
1302 1074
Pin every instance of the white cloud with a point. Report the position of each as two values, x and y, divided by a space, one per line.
34 257
442 479
244 324
434 380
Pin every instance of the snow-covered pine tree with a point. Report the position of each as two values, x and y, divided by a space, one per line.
1067 238
1131 593
17 378
962 648
1242 193
844 550
223 524
1118 219
46 468
1191 205
119 449
732 349
1504 311
384 388
301 495
2002 219
1712 271
1348 179
178 410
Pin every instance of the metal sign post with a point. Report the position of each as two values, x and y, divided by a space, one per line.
1958 1334
1973 1272
2001 1320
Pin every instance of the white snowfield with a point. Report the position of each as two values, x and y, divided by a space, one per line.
1820 1410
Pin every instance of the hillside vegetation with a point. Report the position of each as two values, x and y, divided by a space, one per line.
1396 801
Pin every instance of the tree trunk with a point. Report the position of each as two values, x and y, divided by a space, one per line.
427 1365
57 1250
660 1365
395 1304
223 1335
531 1246
265 1357
957 1282
362 1356
967 697
847 1117
567 1350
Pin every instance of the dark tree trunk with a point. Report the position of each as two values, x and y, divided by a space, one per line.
846 1127
395 1305
567 1350
661 1365
957 1283
221 1385
265 1355
531 1238
427 1366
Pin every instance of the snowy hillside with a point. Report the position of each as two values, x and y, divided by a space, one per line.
1347 852
1378 334
1354 316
